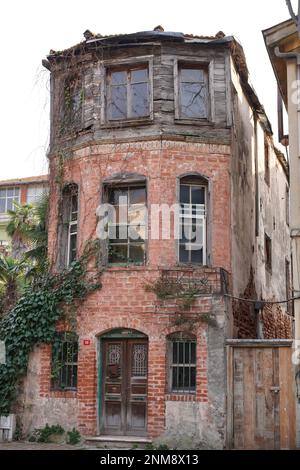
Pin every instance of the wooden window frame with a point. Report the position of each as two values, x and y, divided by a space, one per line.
71 118
202 217
66 225
173 339
208 66
128 185
71 234
124 65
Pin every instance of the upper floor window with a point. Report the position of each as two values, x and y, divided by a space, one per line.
193 92
69 225
7 198
127 224
64 362
182 363
128 93
192 220
73 96
35 194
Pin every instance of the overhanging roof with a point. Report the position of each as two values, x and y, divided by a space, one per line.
284 36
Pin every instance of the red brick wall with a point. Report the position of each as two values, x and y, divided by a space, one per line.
122 302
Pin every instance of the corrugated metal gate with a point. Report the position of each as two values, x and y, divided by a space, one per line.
261 395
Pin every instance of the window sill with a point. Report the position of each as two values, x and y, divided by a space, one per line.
180 397
120 266
194 122
63 394
127 123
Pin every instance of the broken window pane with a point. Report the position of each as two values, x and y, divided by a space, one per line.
129 94
119 102
193 93
139 100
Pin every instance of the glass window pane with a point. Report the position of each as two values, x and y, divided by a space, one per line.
185 231
183 254
184 194
198 195
73 248
180 377
181 353
118 254
137 195
10 192
74 377
3 193
175 352
2 205
137 253
193 378
193 100
118 107
137 214
139 100
118 234
10 205
119 78
192 75
186 378
137 233
193 353
187 355
174 378
197 256
140 75
118 196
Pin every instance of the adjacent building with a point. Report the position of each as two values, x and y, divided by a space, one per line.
146 122
283 46
23 191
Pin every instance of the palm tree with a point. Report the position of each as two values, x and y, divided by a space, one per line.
37 237
11 273
21 221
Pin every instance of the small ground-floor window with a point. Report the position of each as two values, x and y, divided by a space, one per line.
182 363
64 362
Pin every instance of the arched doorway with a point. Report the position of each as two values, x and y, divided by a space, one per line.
123 383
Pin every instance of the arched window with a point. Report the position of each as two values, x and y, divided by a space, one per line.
126 194
182 363
192 220
68 229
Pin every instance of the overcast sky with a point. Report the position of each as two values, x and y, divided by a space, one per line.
30 28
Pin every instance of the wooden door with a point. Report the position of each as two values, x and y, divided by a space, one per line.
124 389
263 400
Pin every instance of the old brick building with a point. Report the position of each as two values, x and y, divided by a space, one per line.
21 190
160 118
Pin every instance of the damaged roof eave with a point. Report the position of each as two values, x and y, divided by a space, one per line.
285 37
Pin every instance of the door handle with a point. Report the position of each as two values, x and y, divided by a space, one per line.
275 389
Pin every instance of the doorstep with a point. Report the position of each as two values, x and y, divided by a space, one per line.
117 442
